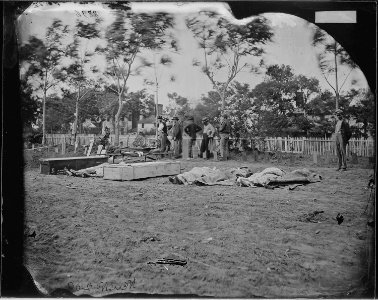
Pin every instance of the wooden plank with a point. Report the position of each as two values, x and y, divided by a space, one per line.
52 165
141 170
71 158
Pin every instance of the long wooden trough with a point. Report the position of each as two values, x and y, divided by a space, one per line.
141 170
52 165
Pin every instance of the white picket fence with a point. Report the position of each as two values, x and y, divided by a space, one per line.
85 139
361 147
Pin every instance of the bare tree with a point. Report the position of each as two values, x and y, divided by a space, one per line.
42 58
224 44
126 37
330 57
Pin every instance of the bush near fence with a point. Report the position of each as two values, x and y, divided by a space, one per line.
322 146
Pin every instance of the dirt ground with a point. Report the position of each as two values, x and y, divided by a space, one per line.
96 237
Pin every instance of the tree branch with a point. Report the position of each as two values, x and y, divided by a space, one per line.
345 80
110 88
328 82
115 74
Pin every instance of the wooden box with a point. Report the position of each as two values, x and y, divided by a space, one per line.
52 165
141 170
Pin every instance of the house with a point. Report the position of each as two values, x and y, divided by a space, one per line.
88 126
147 125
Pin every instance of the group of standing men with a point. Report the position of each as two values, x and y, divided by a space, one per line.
191 129
342 136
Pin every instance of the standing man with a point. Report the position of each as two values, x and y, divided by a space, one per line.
191 129
162 133
207 137
176 137
224 132
342 135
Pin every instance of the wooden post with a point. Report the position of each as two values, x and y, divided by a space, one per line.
90 148
99 149
327 158
244 155
185 148
315 157
195 151
64 145
255 155
279 156
266 156
354 158
76 145
215 155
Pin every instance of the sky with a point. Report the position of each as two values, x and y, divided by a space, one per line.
291 45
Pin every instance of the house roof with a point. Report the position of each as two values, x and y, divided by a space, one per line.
149 120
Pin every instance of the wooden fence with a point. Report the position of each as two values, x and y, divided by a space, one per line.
361 147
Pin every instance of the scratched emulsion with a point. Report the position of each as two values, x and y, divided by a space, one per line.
97 237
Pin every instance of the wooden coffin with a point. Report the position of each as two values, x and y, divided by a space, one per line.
52 165
141 170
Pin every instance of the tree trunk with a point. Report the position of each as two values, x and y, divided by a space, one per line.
44 119
44 110
116 130
126 124
116 121
76 118
336 79
157 105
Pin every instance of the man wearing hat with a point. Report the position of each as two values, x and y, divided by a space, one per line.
224 132
191 129
207 137
342 136
162 133
176 136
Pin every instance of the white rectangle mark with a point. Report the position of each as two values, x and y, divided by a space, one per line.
346 16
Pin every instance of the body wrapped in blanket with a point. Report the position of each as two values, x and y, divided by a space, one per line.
244 177
208 176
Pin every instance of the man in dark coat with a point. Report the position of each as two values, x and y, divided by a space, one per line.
176 137
191 129
162 133
207 137
342 136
